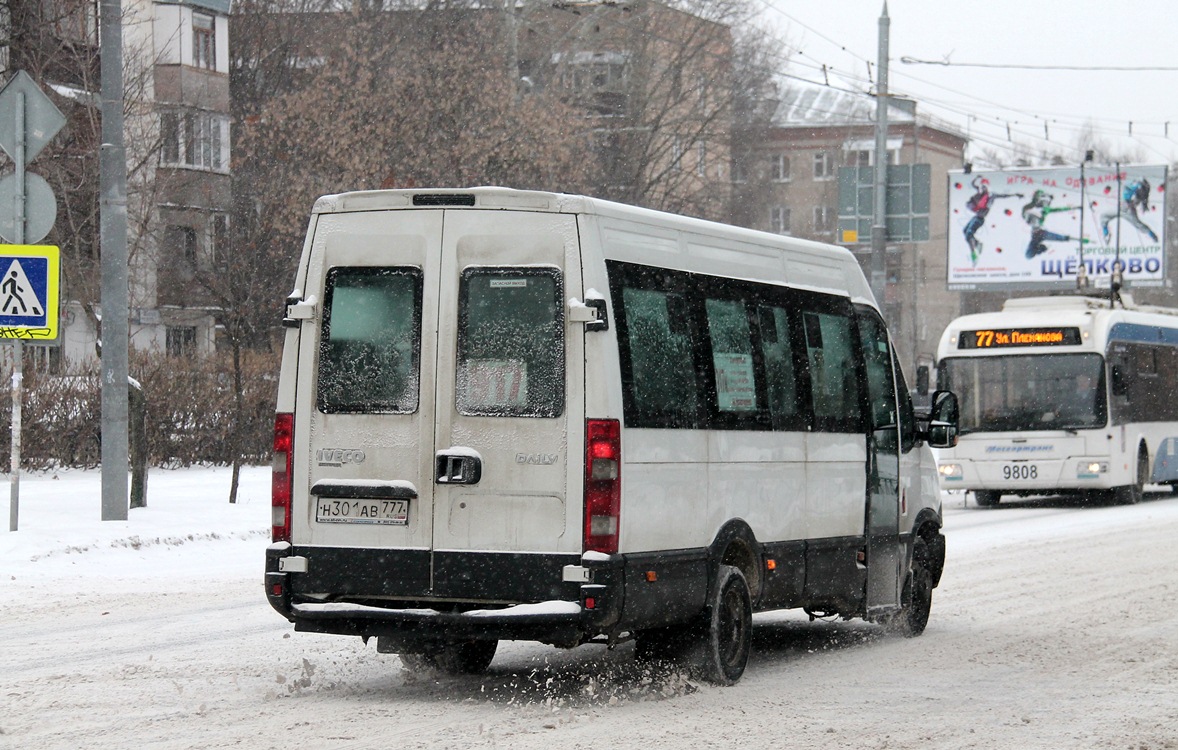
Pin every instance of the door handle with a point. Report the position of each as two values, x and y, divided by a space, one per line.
457 468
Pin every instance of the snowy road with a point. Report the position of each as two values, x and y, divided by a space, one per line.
1056 626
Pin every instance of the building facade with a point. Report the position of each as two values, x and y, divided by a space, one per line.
176 134
793 188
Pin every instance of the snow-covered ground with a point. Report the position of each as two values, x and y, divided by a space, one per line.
1056 626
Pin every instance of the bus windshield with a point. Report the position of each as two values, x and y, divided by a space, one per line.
1028 392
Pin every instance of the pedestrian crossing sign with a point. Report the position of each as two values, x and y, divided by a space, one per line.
29 292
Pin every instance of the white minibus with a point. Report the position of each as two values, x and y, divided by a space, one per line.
524 415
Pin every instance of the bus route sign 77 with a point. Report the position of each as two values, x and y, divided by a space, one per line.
29 292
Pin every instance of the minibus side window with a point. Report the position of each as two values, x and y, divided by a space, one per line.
777 352
907 413
657 341
881 389
834 383
371 341
510 342
732 355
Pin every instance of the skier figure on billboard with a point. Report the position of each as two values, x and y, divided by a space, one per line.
1134 194
980 203
1034 213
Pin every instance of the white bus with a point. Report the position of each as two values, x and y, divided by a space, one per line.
1062 395
522 415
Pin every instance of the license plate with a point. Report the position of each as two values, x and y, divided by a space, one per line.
384 512
1020 471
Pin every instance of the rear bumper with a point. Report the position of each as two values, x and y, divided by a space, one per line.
551 622
485 595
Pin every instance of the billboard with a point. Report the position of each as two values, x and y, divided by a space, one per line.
1034 228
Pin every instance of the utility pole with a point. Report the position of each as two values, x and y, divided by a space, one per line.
18 354
879 229
113 230
1082 280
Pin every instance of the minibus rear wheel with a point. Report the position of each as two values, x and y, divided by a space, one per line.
728 637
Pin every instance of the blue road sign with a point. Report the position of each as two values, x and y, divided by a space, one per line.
29 292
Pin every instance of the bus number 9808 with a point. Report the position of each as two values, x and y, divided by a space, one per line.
1020 471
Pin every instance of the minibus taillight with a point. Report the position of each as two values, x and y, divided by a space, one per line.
603 484
280 477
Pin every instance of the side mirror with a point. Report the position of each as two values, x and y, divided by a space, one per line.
943 417
922 380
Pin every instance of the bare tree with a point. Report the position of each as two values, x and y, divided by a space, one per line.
758 59
388 99
654 83
1104 151
56 43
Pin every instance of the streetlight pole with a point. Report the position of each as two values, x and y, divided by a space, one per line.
113 230
879 239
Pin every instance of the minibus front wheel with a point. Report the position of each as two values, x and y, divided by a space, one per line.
917 599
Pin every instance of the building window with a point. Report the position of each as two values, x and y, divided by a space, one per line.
739 170
181 341
824 218
866 157
204 42
181 242
701 160
193 138
71 20
169 138
779 164
591 72
779 219
221 241
677 154
701 87
823 165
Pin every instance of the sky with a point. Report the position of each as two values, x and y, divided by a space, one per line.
1041 108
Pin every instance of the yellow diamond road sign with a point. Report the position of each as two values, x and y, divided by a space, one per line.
28 292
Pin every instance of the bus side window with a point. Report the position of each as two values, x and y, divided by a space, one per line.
907 412
732 355
834 384
777 352
1119 372
656 340
881 388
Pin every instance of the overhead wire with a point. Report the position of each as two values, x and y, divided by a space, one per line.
1011 126
1061 122
1029 66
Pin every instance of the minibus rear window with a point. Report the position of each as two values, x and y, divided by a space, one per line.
510 342
370 348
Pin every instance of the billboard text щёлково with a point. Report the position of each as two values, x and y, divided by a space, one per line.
1033 228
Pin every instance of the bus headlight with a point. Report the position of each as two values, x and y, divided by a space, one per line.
1091 469
950 472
